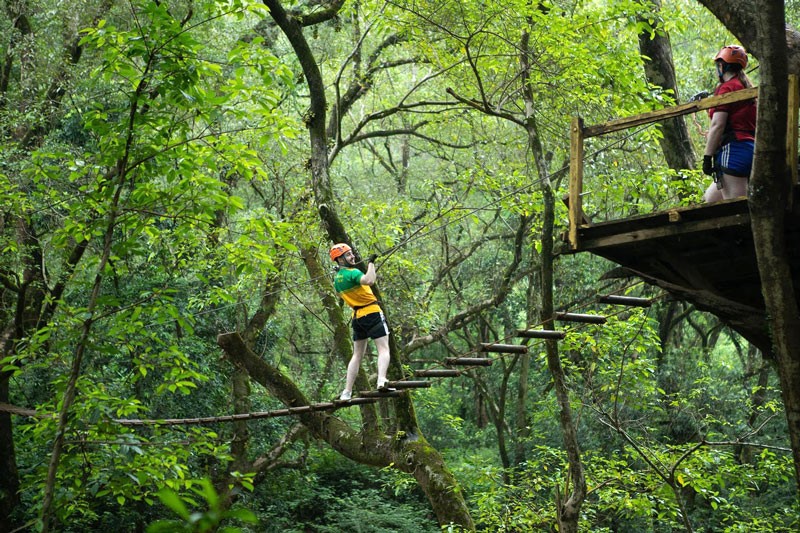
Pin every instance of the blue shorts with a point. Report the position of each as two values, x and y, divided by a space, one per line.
372 325
735 158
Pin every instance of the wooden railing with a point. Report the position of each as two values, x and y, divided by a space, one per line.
579 133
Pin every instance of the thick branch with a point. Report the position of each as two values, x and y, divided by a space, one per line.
741 18
317 17
486 108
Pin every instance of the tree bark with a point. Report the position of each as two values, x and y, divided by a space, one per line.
568 509
769 191
761 27
659 70
741 18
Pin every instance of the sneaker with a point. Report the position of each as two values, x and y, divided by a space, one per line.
346 395
382 385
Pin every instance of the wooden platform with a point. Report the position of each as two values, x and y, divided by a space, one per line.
702 254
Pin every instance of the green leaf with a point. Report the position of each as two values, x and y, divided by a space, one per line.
169 498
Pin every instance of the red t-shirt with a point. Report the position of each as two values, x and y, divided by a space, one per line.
741 115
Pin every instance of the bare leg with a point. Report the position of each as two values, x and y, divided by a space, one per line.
735 187
359 347
712 194
382 344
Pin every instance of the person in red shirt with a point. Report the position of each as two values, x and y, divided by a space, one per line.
728 155
355 288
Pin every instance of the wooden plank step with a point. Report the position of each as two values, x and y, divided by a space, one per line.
301 409
632 301
503 348
379 394
408 384
437 373
324 406
354 401
577 317
468 361
541 334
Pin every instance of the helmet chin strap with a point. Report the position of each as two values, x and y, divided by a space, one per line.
722 69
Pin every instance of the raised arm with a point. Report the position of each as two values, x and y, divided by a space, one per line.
370 276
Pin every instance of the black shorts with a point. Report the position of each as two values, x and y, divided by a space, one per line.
371 326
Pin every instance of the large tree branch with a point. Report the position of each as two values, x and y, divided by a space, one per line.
741 18
486 108
407 452
322 425
317 17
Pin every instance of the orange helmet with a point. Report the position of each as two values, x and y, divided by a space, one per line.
338 250
733 54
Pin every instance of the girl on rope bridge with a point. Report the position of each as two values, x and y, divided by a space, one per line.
368 321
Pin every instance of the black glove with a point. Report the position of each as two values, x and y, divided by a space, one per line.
372 258
708 165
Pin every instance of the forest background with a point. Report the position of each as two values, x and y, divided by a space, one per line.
172 175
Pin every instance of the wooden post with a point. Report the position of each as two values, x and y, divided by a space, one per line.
575 180
792 126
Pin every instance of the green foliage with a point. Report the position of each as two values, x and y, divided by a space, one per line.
194 109
334 494
199 521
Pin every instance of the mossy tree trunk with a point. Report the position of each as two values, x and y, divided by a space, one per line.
761 27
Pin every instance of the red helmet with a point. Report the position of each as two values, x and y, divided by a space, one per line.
338 250
733 54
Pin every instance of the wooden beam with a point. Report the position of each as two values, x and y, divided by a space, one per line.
437 373
354 401
540 334
669 112
503 348
379 394
577 317
408 384
468 361
683 228
625 300
575 180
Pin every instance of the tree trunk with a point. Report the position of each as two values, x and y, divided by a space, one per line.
769 191
9 476
659 70
568 509
532 317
